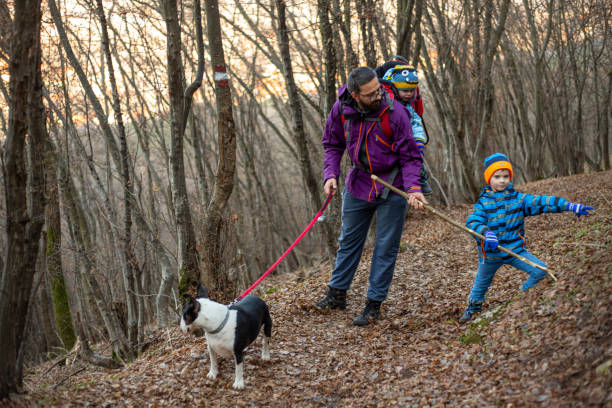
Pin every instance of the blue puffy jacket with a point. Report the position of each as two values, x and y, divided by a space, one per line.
504 213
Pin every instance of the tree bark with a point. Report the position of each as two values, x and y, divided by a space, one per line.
128 190
404 27
24 187
189 270
81 236
226 168
61 305
365 9
329 54
296 109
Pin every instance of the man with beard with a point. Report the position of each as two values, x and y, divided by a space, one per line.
378 139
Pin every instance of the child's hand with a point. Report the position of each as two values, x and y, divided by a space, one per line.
578 209
491 242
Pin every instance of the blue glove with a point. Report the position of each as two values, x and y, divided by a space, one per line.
578 209
491 242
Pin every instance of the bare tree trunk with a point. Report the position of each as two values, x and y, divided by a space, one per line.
187 247
405 28
342 18
365 9
329 55
539 50
81 236
605 132
128 190
224 184
24 187
53 231
53 342
323 7
296 109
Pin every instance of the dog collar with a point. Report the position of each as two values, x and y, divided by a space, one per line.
222 325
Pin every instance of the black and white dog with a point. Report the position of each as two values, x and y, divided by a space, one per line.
229 329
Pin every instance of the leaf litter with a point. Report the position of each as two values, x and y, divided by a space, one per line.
549 346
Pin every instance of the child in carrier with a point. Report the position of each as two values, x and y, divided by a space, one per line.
405 80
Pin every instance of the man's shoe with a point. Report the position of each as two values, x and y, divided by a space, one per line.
334 299
472 308
370 313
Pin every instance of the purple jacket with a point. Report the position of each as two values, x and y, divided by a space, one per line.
379 155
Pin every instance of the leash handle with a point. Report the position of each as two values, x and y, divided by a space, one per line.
314 220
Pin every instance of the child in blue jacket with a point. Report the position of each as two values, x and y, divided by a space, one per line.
499 216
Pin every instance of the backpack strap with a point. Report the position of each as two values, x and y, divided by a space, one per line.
346 125
382 120
385 125
417 103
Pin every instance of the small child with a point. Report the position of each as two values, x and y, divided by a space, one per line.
499 215
406 81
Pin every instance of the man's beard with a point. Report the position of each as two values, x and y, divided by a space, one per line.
370 107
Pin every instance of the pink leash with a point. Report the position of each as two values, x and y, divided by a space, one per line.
314 220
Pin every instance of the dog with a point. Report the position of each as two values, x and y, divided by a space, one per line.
229 329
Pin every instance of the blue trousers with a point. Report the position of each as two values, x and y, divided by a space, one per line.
487 269
356 219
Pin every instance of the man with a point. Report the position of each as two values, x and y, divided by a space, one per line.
378 139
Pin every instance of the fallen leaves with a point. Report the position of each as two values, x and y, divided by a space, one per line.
547 347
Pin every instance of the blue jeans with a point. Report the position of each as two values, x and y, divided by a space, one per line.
487 269
356 218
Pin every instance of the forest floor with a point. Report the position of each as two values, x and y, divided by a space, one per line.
550 346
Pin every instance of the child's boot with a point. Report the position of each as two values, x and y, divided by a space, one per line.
473 307
425 188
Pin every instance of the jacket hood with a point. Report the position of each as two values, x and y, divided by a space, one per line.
345 97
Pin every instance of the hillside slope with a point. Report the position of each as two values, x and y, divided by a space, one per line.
550 346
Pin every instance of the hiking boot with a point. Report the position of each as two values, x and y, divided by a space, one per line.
334 299
473 307
425 187
370 313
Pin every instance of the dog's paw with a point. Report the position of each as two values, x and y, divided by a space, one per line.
238 385
265 356
212 375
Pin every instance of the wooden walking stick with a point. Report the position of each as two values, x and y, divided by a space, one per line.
456 224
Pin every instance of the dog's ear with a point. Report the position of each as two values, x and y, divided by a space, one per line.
187 297
202 292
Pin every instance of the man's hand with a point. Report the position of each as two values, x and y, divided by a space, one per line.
330 184
416 200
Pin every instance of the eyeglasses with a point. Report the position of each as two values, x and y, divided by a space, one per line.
373 95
